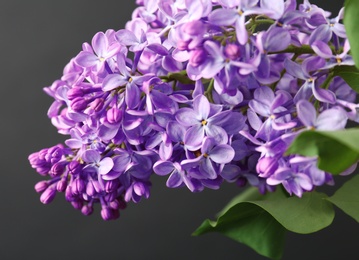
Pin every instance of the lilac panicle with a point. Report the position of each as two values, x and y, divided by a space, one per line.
200 92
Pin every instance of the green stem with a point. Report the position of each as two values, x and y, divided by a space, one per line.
304 49
178 76
327 81
208 92
264 21
254 22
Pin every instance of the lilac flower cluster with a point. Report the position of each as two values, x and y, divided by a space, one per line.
200 91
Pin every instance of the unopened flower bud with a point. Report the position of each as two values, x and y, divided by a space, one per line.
194 28
74 93
106 213
43 170
266 166
118 204
109 213
110 196
90 190
112 185
74 168
97 186
58 168
87 210
232 51
48 195
61 185
33 158
182 45
54 154
78 104
97 104
77 204
139 188
114 115
41 186
78 186
197 57
69 196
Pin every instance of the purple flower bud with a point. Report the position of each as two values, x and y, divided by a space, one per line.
197 57
112 185
74 168
97 104
97 186
87 210
54 154
58 168
90 190
194 28
266 166
68 194
118 204
74 93
232 51
140 189
108 213
43 170
182 45
78 104
78 186
77 204
48 195
61 185
41 186
114 115
114 204
111 196
33 158
42 153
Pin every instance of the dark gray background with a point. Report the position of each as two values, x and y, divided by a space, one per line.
37 39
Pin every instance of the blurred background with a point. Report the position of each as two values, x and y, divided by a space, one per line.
37 40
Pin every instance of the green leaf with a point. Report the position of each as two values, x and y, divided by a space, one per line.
350 74
305 215
347 198
261 221
248 224
336 150
351 21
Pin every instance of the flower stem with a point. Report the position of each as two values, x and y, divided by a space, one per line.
208 92
304 49
177 76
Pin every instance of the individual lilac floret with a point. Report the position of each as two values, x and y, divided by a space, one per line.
210 159
125 79
203 121
307 72
292 179
323 50
236 12
102 51
274 108
95 163
331 119
178 176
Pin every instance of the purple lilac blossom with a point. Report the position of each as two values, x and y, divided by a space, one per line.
209 96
